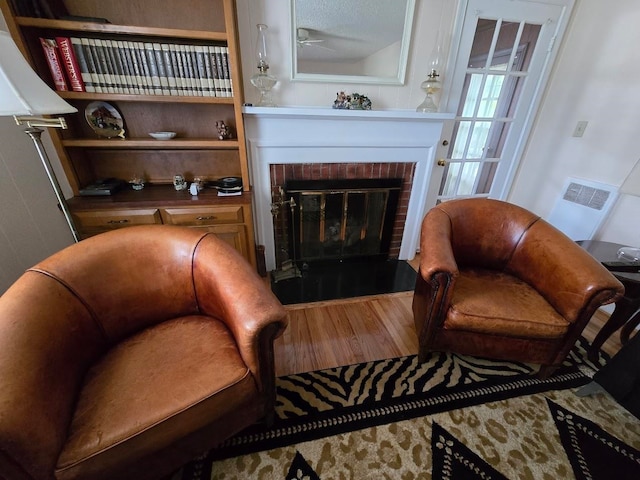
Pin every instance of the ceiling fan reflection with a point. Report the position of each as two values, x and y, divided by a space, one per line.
304 40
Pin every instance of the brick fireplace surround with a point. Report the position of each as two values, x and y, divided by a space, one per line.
286 143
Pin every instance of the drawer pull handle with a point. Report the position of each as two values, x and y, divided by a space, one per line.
124 220
210 217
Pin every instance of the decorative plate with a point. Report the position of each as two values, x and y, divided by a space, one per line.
104 119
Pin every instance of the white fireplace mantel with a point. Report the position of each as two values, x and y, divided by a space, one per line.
289 135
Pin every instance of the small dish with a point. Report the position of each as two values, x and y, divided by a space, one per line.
162 135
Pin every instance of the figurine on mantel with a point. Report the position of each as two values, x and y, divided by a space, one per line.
355 101
224 131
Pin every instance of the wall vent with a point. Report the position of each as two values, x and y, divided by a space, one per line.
582 207
591 197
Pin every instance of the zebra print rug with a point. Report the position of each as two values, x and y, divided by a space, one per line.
329 402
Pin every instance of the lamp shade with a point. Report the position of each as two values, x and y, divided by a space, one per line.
22 92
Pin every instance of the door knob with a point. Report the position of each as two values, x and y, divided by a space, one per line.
445 142
441 163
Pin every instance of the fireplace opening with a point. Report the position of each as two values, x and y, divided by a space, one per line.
340 219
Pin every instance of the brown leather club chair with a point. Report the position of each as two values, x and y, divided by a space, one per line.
127 354
497 281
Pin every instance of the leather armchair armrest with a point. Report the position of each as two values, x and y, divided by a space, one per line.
227 288
436 253
48 340
561 271
436 276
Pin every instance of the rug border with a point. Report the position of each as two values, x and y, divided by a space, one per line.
357 417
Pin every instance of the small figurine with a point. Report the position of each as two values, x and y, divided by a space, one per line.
342 101
355 101
179 183
199 181
137 182
360 102
224 131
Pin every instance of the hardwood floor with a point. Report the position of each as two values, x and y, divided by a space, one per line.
342 332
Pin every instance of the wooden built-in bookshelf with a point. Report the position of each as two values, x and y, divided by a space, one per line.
196 150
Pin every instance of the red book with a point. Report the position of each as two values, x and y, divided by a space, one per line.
50 48
70 62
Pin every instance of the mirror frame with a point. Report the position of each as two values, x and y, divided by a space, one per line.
399 79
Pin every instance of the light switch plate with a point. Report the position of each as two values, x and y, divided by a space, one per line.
581 126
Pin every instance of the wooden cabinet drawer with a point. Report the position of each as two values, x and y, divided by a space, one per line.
202 216
91 222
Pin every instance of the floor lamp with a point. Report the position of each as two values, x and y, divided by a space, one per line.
25 97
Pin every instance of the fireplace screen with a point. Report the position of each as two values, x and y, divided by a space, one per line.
337 219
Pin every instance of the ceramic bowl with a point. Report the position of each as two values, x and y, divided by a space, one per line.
162 135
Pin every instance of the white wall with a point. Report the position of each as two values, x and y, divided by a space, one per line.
276 14
31 225
595 79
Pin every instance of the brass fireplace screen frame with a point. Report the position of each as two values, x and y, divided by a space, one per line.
340 219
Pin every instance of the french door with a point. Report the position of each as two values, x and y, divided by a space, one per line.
499 69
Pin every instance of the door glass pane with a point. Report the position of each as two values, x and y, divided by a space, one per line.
449 179
527 45
481 42
487 174
473 84
496 139
478 139
490 96
504 45
509 101
468 178
461 140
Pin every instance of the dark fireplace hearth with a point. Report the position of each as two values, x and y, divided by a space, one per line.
331 280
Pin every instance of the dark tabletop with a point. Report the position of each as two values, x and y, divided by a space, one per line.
608 252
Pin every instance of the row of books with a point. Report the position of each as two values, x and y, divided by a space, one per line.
138 68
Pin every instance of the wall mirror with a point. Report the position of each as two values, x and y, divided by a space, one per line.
351 41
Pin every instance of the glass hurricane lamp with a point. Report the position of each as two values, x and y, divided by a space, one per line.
432 85
262 80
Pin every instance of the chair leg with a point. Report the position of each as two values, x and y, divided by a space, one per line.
424 355
270 418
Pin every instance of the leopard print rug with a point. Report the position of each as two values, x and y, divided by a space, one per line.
517 438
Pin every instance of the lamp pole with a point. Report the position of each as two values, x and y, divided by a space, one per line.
35 133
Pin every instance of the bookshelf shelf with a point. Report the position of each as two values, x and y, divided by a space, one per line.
115 97
116 65
108 28
151 144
